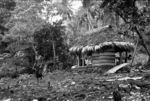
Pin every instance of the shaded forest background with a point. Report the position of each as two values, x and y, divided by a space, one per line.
30 39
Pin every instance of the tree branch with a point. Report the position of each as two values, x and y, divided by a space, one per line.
23 12
142 40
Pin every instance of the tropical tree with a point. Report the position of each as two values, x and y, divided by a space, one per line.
22 24
135 15
27 18
50 44
92 17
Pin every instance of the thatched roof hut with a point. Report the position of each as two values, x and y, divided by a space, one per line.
102 46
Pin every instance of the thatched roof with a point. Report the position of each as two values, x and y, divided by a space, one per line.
100 40
117 46
95 38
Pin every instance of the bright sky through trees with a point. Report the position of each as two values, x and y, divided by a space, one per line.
74 6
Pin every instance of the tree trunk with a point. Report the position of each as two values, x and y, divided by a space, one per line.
36 55
54 53
135 50
117 20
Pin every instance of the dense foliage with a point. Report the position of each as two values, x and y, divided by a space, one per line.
29 36
6 6
50 44
135 14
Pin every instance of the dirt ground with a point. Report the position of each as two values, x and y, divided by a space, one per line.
73 86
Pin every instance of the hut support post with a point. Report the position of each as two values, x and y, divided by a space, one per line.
120 58
78 59
82 60
126 57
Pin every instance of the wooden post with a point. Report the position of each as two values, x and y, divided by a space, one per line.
83 60
126 57
78 60
120 58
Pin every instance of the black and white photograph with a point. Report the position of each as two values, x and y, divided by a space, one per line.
74 50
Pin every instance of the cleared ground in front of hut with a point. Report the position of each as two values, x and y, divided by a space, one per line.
73 86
